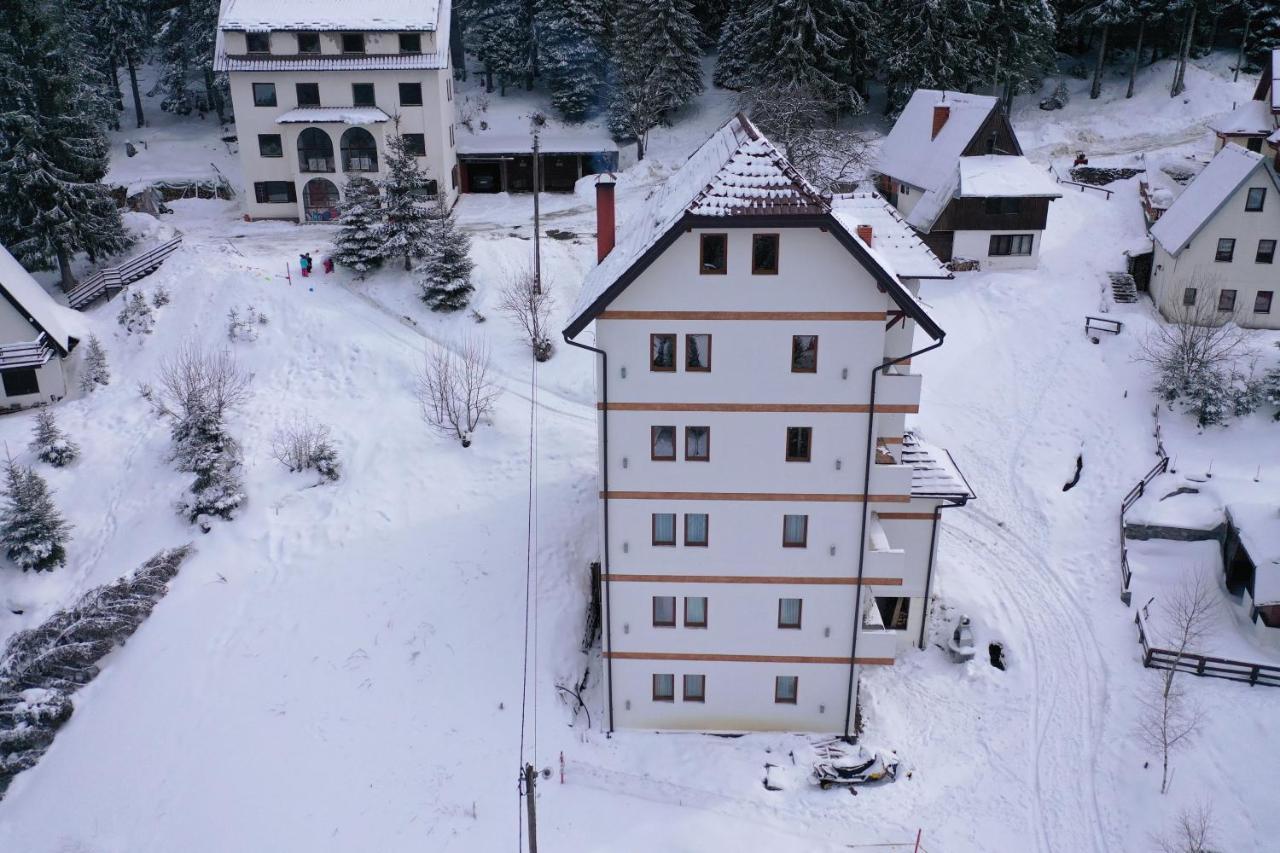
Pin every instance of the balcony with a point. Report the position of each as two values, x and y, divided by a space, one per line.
891 479
898 389
882 559
874 640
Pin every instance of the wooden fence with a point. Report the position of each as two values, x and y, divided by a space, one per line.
1126 595
110 280
1201 665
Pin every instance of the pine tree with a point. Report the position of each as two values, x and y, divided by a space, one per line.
124 31
500 34
1103 14
405 211
186 40
798 43
203 446
136 315
50 443
571 34
53 153
445 274
1018 38
657 65
1264 34
930 44
95 371
33 532
359 244
733 49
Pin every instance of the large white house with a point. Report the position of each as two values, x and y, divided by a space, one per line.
36 334
1214 254
953 167
767 524
319 89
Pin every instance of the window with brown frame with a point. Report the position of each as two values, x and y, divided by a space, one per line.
695 611
764 254
664 528
696 529
799 443
697 353
804 353
789 612
662 353
714 254
664 687
786 689
697 444
664 611
695 688
662 441
795 531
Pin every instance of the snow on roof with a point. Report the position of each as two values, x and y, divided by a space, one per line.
891 237
933 472
1000 175
334 115
1251 117
324 15
911 153
60 323
1166 176
736 172
1258 525
1202 198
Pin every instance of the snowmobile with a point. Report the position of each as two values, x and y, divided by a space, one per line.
837 767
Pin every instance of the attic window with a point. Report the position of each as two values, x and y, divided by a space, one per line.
308 42
764 254
715 254
258 42
1257 197
353 42
410 43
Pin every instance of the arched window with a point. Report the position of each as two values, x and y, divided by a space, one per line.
315 151
359 151
320 200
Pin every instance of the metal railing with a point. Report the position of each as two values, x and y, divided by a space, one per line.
1082 187
117 278
1203 665
1126 595
1102 324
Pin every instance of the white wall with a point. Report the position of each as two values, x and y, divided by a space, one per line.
1195 265
976 245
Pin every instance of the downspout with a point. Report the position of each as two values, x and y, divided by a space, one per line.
604 484
866 509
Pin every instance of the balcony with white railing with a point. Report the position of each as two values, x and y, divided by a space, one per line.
882 559
874 640
898 387
35 353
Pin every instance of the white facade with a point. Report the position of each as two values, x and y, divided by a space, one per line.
35 337
357 93
861 519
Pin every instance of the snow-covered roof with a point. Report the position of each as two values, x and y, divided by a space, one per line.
332 15
1251 117
1205 195
60 323
1258 525
334 115
933 472
1274 138
735 173
892 238
1004 176
911 152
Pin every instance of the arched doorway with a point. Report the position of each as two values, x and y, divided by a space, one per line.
359 151
315 151
320 200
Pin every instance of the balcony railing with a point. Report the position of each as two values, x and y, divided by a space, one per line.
312 162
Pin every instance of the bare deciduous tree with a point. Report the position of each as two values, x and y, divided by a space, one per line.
1170 716
305 444
529 307
195 381
1192 833
455 389
804 126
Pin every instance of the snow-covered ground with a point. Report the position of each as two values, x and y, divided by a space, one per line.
340 668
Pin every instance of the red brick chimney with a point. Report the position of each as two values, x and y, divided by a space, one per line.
864 234
941 112
606 223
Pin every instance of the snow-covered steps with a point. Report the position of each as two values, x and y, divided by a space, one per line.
1123 288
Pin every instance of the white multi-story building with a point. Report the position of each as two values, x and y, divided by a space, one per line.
768 526
320 88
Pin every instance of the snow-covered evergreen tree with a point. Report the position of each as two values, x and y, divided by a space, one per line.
733 48
500 34
571 54
406 209
123 27
49 443
203 446
930 44
186 40
445 273
656 64
1018 38
33 532
95 371
136 315
799 42
359 243
1103 15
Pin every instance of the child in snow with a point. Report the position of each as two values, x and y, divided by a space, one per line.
303 265
328 265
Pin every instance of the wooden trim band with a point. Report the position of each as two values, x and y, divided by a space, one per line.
908 516
837 408
753 496
751 579
820 316
890 439
713 658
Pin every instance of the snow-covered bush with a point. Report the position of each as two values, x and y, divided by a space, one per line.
529 307
1269 388
33 532
95 371
136 315
455 389
50 443
160 296
444 276
305 445
245 326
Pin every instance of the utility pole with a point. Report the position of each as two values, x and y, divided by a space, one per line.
537 121
530 788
